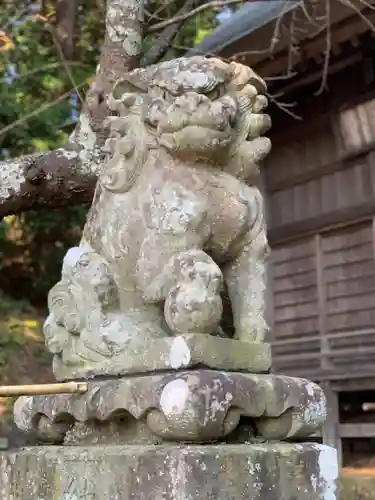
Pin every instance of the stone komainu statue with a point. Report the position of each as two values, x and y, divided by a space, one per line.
176 223
176 226
175 234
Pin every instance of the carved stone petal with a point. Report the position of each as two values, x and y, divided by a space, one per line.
192 406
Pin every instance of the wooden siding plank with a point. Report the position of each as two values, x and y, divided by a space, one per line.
325 362
346 189
339 218
331 431
330 325
353 430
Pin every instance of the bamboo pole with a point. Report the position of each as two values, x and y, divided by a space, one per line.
43 389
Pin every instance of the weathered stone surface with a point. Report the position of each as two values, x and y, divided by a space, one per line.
192 406
176 224
174 353
277 471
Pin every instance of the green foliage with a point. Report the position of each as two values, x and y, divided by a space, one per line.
49 234
21 346
33 75
18 325
23 95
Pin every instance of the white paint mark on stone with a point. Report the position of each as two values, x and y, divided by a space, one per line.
310 389
179 354
174 397
329 470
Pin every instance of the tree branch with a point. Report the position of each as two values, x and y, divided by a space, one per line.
182 17
66 13
161 46
50 179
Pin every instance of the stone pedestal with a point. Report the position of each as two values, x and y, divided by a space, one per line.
272 471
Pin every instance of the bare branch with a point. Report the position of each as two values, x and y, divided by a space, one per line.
284 106
165 39
183 17
197 51
274 40
280 77
356 9
327 54
156 13
310 17
367 4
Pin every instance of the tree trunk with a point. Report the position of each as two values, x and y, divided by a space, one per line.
66 14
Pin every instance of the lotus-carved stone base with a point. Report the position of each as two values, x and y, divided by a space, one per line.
190 406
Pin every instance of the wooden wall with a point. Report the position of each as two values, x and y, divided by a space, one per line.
320 181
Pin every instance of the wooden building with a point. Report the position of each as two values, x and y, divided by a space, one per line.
320 192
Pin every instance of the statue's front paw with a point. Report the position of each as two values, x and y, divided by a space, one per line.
192 308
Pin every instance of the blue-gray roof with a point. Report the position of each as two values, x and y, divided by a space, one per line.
245 20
